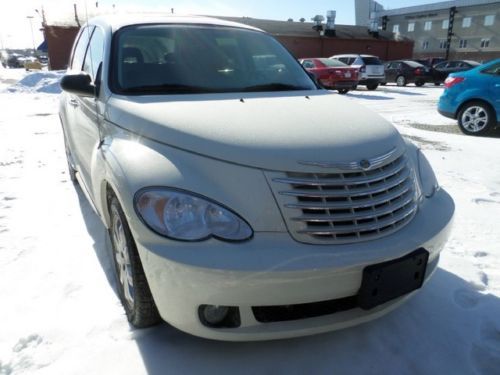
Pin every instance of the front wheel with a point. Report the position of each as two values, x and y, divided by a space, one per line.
476 118
372 86
133 287
343 91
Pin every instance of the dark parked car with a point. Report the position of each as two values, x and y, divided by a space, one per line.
430 61
407 71
332 73
440 71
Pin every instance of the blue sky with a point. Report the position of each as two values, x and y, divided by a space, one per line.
15 29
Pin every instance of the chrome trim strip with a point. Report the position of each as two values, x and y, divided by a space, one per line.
375 162
356 216
363 227
350 192
351 204
342 181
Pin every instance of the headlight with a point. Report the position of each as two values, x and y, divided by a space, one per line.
428 180
184 216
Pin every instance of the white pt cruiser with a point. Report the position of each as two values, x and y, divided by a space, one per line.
242 201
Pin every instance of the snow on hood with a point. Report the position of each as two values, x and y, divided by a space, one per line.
263 130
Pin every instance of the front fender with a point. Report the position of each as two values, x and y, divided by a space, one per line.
132 163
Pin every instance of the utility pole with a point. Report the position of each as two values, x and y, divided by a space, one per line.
449 35
32 35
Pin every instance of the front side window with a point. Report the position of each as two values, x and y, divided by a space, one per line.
466 22
181 59
428 25
411 26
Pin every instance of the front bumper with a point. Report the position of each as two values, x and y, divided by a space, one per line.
273 269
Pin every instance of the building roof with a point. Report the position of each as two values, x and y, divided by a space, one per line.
305 29
432 7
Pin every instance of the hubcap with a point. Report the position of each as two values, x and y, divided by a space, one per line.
122 258
401 81
474 119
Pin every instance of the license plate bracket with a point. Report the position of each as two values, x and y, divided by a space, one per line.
385 281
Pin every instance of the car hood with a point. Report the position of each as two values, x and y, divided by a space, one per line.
274 131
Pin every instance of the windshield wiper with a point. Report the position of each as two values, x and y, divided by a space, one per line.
168 88
274 86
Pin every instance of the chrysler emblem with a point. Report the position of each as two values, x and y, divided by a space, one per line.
365 164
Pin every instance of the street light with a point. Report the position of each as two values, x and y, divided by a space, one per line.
32 34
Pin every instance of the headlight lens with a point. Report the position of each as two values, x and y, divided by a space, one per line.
428 180
183 216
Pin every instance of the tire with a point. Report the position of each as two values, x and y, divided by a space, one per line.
401 81
476 118
135 296
419 83
372 86
343 91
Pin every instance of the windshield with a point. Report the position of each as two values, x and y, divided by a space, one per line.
183 59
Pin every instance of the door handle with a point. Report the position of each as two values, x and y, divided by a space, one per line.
73 102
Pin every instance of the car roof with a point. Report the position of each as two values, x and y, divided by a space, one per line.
116 22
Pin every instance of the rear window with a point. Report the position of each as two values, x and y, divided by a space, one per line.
332 62
372 61
413 64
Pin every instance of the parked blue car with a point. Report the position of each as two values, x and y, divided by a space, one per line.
473 98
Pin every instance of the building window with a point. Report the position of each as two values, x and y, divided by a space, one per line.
462 43
442 44
428 25
395 29
446 23
411 26
485 43
489 20
466 21
425 44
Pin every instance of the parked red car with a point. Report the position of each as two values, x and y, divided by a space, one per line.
332 73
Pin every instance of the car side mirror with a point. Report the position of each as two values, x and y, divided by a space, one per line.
78 84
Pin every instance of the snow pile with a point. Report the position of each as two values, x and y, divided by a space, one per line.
44 82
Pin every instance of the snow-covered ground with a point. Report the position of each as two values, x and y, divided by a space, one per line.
59 313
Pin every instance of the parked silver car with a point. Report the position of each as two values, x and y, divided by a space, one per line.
371 69
242 201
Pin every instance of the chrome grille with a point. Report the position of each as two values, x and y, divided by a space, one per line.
349 206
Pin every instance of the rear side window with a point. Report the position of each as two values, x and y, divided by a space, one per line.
371 61
494 69
81 48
